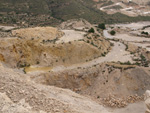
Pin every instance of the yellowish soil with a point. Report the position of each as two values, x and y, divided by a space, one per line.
32 69
2 58
38 32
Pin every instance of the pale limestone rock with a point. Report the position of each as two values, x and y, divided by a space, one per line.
147 101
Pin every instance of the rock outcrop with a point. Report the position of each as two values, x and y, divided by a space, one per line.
147 101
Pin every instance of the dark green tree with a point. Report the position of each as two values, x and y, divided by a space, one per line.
145 33
91 30
101 26
112 32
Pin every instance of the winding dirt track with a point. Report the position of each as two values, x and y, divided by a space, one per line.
117 53
102 8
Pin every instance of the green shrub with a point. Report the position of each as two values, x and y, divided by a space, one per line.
37 62
101 26
88 41
145 33
126 47
103 54
143 57
91 30
125 63
112 32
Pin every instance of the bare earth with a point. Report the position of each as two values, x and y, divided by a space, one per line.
71 35
132 108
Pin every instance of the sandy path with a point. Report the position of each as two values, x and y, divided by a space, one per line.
6 28
103 8
137 25
143 45
71 35
117 53
136 40
126 10
107 35
127 37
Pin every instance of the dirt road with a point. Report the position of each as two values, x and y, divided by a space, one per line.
118 53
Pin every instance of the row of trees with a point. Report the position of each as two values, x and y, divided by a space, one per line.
144 33
101 26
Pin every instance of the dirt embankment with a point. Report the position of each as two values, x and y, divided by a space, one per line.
19 94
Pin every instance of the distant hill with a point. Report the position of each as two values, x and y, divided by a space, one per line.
45 12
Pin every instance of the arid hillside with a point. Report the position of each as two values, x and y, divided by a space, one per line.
112 84
19 94
50 47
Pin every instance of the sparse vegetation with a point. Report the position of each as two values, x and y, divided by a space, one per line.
142 57
125 63
88 41
117 7
37 62
103 54
144 61
126 47
22 65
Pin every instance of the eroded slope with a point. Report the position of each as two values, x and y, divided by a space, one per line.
19 94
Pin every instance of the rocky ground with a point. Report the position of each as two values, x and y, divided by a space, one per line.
19 94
